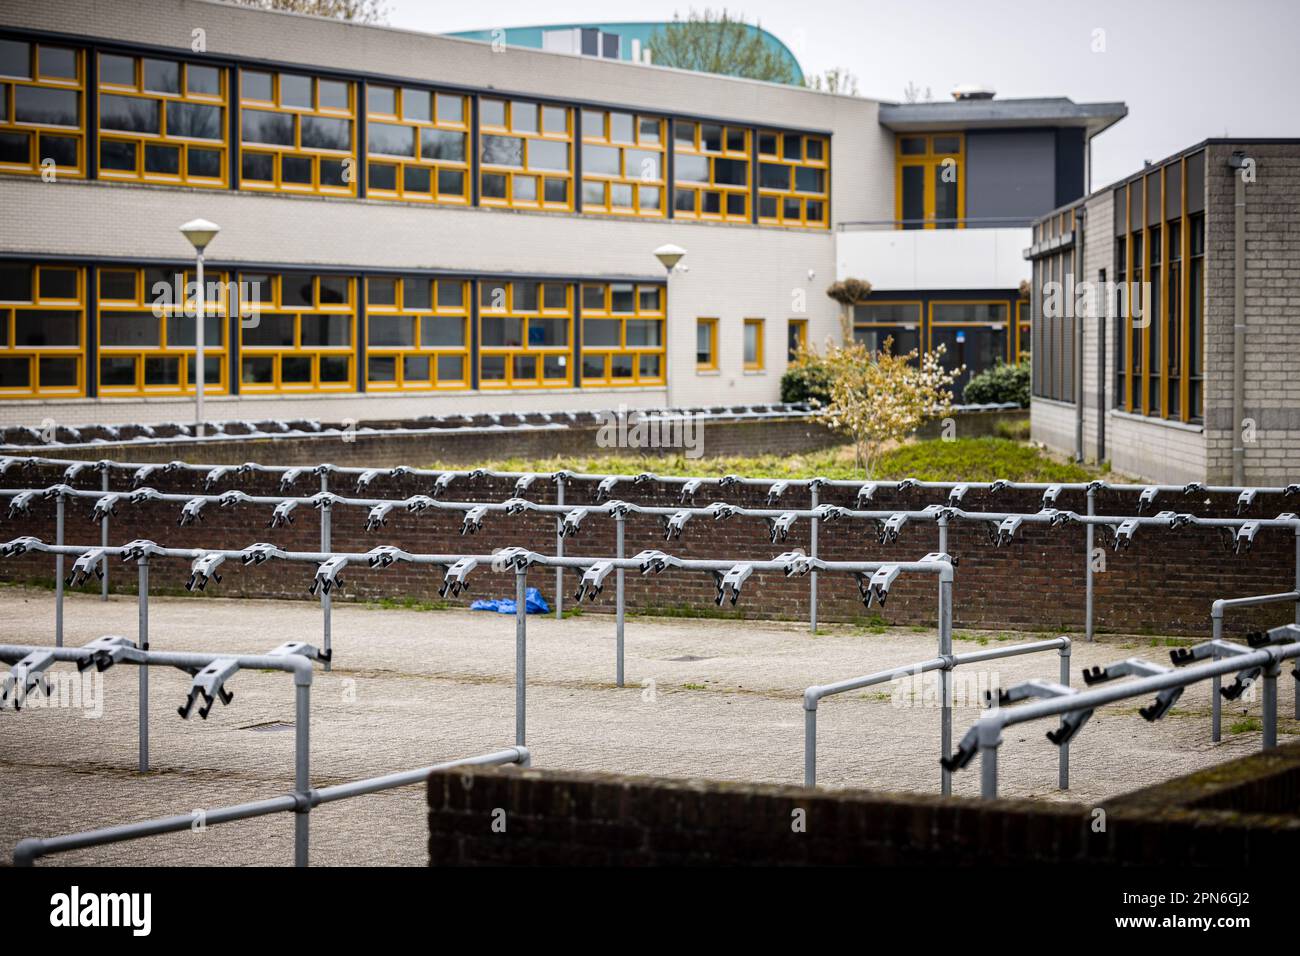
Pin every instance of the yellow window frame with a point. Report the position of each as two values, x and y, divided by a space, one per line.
758 363
508 353
634 181
416 127
1024 332
164 312
803 200
433 353
931 160
183 144
347 158
1004 324
10 309
698 191
11 126
608 355
712 325
278 353
800 328
544 133
919 321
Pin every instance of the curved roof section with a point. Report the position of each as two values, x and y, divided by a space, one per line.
644 31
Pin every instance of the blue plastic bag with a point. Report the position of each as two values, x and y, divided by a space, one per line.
534 603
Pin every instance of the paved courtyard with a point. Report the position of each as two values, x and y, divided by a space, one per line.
706 698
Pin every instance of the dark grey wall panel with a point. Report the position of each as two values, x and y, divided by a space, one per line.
1010 173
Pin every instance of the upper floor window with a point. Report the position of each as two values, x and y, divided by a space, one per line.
526 154
42 322
793 179
42 118
297 133
622 163
930 188
162 120
711 171
417 144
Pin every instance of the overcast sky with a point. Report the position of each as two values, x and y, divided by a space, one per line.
1188 69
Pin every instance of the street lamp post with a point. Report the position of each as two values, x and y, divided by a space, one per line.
668 255
200 233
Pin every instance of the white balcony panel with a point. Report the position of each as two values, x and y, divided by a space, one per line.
893 260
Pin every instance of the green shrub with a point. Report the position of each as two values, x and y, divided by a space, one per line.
1001 383
806 379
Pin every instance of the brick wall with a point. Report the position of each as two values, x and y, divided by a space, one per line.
554 818
1164 583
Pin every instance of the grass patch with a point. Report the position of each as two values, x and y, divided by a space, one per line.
963 459
694 687
1245 726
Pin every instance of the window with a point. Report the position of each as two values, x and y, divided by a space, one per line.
796 338
1160 267
899 323
300 337
417 145
973 334
296 133
417 333
711 171
524 334
525 155
146 332
706 345
622 164
753 344
1053 320
793 179
622 334
1023 310
42 118
162 121
930 192
42 318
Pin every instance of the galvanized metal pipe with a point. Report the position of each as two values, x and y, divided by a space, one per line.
521 656
58 572
1089 541
812 553
619 608
142 675
301 772
559 550
103 543
326 599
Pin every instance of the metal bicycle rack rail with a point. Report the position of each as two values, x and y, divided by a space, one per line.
1216 617
873 577
945 664
1002 526
210 674
1075 707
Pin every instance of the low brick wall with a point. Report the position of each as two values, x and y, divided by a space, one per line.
508 816
1164 583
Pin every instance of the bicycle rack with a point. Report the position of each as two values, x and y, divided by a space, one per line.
779 528
593 581
456 578
1137 667
472 523
204 569
731 581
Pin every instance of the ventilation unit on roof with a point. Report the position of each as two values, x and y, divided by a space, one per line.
968 91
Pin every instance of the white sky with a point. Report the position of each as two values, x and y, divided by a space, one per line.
1188 69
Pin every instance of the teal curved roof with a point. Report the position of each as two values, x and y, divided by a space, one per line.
531 38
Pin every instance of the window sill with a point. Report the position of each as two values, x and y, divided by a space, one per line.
1192 427
755 371
708 371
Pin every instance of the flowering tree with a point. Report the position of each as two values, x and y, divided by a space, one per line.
880 397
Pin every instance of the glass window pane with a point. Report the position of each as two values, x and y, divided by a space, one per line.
58 62
49 107
523 117
58 283
195 120
58 372
492 112
442 331
326 330
381 99
417 105
204 80
390 139
381 368
162 159
334 290
443 145
117 285
593 124
644 333
416 179
503 150
546 154
557 190
295 90
319 132
295 369
131 114
555 119
270 331
117 371
451 294
335 368
601 333
415 368
451 368
35 329
162 76
391 330
622 298
601 160
524 188
263 126
494 185
118 70
502 331
257 370
130 329
296 169
255 86
650 130
15 283
621 127
61 149
451 109
333 95
15 58
204 163
258 167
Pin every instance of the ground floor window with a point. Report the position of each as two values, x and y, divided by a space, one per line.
623 334
42 330
417 333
